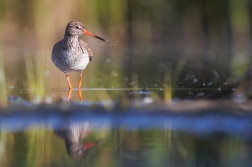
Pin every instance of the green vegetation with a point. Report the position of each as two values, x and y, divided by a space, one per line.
3 93
35 78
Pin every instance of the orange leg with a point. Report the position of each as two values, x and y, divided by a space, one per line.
80 95
80 81
68 81
69 94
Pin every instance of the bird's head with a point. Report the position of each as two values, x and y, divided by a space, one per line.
76 150
75 28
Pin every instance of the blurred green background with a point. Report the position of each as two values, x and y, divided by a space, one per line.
150 44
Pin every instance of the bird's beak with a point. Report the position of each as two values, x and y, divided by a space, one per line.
88 145
85 32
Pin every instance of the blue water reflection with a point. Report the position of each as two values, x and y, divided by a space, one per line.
75 135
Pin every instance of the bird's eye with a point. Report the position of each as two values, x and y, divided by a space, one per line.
77 27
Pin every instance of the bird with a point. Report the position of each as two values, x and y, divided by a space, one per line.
73 133
72 53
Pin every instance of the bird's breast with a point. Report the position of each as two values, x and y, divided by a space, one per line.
72 60
77 60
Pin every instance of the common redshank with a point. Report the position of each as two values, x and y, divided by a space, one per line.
71 53
73 133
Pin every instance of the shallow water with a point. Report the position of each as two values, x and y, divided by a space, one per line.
101 130
94 95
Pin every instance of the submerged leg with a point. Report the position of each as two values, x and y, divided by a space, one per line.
80 81
68 81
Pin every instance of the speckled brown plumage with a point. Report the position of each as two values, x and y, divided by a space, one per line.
71 53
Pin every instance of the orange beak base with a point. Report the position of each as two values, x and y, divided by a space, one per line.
85 32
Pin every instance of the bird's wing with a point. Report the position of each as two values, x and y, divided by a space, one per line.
57 48
85 46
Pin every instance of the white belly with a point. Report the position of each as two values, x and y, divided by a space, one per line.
69 63
79 64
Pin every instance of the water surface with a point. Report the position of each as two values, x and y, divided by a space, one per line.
113 131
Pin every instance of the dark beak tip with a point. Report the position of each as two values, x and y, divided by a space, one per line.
100 38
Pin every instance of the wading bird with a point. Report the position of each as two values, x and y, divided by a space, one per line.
71 53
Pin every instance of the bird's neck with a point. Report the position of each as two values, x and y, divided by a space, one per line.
71 40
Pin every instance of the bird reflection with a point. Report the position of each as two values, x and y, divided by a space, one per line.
72 134
70 92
